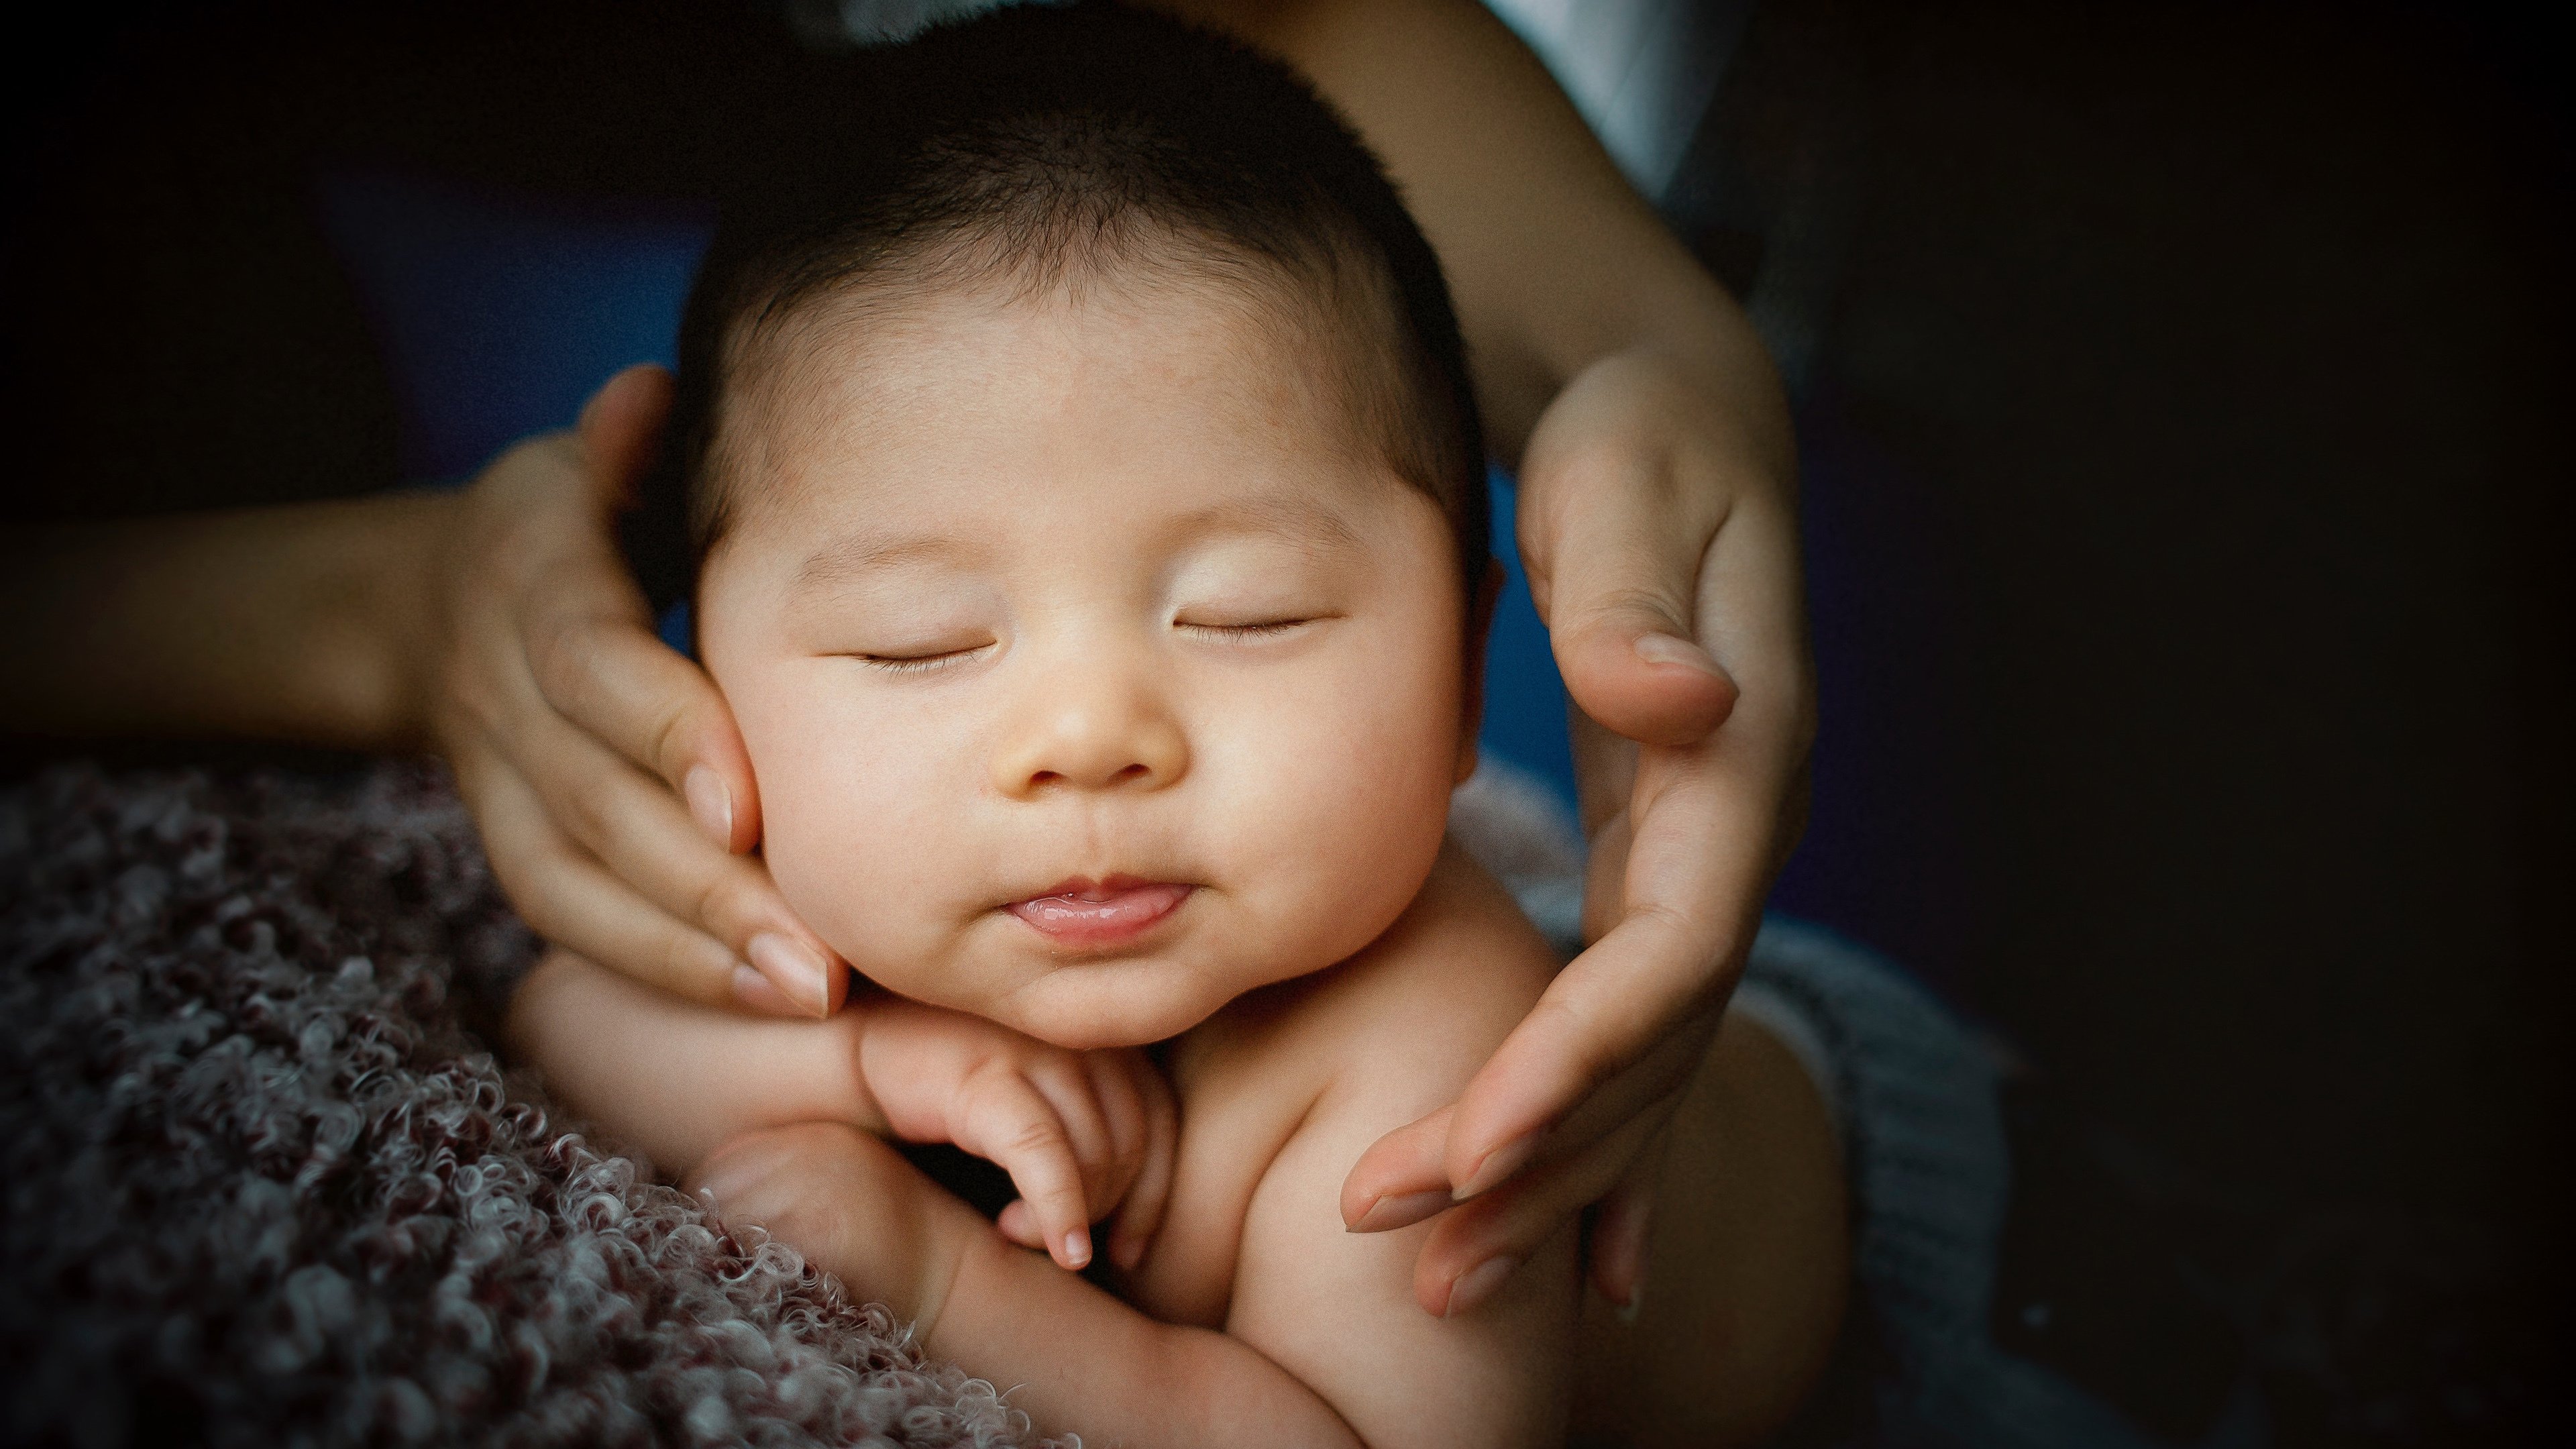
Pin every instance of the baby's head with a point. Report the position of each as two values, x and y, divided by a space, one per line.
1087 505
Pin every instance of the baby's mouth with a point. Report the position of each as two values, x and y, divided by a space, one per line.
1085 913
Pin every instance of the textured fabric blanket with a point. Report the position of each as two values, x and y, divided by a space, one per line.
262 1182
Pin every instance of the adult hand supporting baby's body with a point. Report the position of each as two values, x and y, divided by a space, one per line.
557 707
1663 554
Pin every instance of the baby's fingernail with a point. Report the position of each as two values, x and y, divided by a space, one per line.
1077 1249
757 992
1127 1252
1401 1211
1667 649
1478 1284
796 968
1498 1165
711 801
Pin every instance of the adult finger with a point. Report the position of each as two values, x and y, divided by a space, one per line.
1003 1119
613 678
594 652
621 428
632 826
1615 1258
1402 1178
1701 833
1618 508
1475 1247
1140 1217
572 901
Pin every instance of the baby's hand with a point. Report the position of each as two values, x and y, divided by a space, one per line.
1081 1133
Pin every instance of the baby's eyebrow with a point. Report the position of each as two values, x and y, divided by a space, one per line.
860 553
1295 521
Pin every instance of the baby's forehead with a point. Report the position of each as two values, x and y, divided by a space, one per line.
1268 350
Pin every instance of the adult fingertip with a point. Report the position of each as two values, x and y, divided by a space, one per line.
1657 648
1641 680
1498 1165
1077 1250
1478 1284
798 971
1399 1210
755 991
710 803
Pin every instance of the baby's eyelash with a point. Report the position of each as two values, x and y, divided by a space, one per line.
1262 630
919 663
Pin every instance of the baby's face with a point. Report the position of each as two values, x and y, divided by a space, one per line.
1094 666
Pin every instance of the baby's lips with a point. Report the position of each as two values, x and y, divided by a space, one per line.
1084 913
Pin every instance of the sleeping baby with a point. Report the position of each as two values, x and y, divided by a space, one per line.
1081 498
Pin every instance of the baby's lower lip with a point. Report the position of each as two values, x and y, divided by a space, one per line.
1109 913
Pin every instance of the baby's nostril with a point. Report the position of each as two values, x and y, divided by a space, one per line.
1045 777
1130 773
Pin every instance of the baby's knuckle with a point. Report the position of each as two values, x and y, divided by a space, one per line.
1034 1135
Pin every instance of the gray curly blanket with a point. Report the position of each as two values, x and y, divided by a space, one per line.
261 1182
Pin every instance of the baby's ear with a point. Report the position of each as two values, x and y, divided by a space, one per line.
1480 624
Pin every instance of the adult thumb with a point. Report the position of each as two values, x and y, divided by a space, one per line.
1620 595
621 430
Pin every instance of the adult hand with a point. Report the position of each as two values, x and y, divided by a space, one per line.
576 735
1663 556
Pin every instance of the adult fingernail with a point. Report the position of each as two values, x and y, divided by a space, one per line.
1498 1165
711 801
1478 1284
1666 649
1401 1211
796 968
1627 1312
1077 1249
757 992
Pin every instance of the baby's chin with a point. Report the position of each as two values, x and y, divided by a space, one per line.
1092 1005
1084 1005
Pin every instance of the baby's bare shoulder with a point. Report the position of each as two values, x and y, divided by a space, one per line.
1413 1016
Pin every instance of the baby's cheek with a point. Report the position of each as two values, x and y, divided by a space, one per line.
1346 797
845 826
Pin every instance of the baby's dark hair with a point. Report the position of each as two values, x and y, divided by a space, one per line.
1049 146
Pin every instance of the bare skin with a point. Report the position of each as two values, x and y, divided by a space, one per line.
1251 1315
614 790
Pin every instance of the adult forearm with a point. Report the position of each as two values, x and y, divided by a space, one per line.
1555 261
1085 1361
303 624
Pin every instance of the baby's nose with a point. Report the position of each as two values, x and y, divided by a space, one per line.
1097 739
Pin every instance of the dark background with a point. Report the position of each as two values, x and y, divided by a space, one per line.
2184 396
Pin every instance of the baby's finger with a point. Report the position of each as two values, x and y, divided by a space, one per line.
1020 1225
1401 1179
1140 1216
1006 1121
1122 1111
1065 1082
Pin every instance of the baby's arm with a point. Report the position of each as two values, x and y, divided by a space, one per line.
1072 1356
1322 1343
1079 1132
